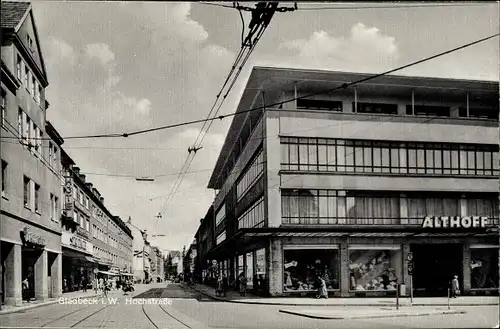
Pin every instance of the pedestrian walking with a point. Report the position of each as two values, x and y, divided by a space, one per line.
322 292
243 284
455 288
219 287
84 284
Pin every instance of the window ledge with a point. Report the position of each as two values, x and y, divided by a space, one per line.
27 207
4 197
38 212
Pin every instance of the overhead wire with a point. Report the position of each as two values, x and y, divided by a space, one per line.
192 152
343 86
234 79
357 7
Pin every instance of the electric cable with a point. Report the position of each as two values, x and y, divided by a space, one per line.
394 6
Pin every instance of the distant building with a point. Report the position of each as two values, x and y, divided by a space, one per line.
189 260
205 241
138 264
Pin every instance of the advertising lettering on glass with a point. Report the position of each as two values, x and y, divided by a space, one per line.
78 243
455 222
30 237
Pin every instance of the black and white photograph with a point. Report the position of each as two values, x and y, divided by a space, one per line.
247 165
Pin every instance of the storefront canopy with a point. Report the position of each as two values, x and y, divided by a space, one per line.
74 254
251 235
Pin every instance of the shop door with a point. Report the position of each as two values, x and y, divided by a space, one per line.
29 258
434 268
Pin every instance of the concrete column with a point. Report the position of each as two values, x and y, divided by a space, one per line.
345 274
466 274
13 269
273 159
56 274
275 268
403 209
41 273
463 206
347 106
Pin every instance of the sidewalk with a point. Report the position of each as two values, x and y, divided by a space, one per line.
370 313
234 297
6 309
37 303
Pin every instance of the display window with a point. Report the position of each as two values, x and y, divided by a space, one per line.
302 268
484 268
374 270
241 265
260 262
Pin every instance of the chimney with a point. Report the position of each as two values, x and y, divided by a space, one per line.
76 170
101 199
89 185
82 177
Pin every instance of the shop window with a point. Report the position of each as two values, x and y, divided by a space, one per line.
374 270
260 267
484 268
302 268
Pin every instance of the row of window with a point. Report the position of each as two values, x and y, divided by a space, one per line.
220 215
253 173
29 131
383 108
81 219
330 206
254 216
221 237
334 155
31 195
28 79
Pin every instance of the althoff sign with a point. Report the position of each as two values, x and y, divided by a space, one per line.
464 222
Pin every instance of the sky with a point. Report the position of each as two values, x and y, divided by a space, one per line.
116 67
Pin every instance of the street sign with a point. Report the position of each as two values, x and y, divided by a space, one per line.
410 256
96 271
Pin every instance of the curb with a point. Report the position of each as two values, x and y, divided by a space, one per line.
25 308
370 316
331 305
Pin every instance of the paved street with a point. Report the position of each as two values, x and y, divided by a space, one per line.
190 309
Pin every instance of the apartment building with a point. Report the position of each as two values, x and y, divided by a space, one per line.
31 184
339 184
204 243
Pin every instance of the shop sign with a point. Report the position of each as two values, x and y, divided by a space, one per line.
78 243
455 222
33 238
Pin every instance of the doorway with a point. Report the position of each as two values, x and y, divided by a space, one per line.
434 268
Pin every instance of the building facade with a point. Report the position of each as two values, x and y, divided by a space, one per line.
339 184
205 242
138 267
189 260
30 230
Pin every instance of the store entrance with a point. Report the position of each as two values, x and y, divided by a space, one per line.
434 268
28 259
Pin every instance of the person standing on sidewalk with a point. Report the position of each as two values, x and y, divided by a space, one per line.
243 284
84 284
455 288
